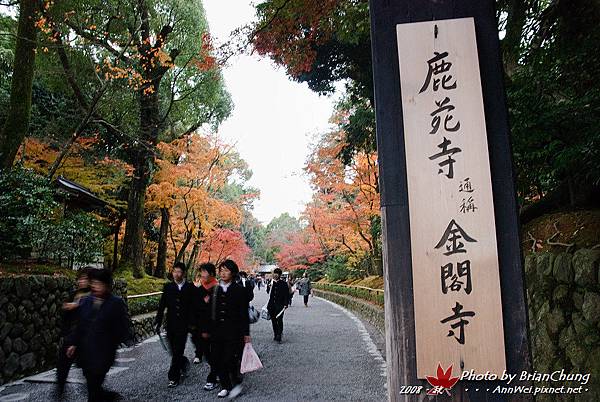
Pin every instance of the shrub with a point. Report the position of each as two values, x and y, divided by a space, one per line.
26 208
336 269
364 294
76 237
31 219
143 305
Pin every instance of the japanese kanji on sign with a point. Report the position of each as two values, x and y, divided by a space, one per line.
458 308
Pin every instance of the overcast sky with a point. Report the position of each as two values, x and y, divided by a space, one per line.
274 120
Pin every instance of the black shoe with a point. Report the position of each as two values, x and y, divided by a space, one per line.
112 396
185 369
59 393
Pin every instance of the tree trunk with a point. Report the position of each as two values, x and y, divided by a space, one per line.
115 261
192 260
511 44
181 254
133 251
161 261
16 125
153 70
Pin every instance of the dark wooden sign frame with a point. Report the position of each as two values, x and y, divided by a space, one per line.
399 312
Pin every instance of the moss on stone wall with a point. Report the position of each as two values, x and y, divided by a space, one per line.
563 293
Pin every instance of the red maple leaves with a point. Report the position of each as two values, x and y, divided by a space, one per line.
442 382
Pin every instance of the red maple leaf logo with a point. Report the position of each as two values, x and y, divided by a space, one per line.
442 382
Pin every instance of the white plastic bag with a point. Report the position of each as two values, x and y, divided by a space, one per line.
264 313
253 314
250 360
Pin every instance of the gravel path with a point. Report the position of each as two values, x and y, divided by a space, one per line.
326 354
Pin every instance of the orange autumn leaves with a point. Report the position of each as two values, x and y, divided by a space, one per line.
290 29
340 217
193 172
104 177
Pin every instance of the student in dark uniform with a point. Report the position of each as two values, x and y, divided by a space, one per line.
279 298
247 284
230 328
206 287
103 324
180 299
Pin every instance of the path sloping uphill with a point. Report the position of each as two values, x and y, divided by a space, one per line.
326 354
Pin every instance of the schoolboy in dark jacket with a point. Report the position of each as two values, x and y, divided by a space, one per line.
180 300
279 298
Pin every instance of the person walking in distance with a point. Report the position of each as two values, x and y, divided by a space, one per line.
291 289
230 328
247 284
179 298
304 288
279 298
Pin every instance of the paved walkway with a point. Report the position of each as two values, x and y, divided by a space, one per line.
326 354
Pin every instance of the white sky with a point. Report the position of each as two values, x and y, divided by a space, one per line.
273 121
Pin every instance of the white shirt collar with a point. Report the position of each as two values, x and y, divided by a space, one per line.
180 285
224 285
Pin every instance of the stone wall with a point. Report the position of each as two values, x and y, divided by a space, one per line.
143 326
367 311
30 322
563 292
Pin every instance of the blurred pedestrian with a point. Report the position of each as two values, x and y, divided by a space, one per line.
69 320
230 328
304 288
291 289
247 284
179 298
103 324
278 301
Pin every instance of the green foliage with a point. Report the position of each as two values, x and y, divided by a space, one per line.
138 286
143 305
315 273
8 26
26 208
30 219
75 237
35 268
336 268
359 127
554 101
364 294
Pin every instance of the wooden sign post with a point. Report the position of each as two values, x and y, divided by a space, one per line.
456 287
452 260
